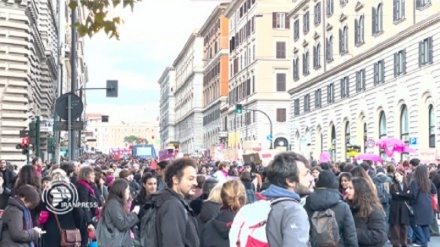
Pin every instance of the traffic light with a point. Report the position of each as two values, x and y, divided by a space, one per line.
33 132
112 88
25 145
238 108
51 145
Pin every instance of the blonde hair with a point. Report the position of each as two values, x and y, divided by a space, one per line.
233 195
215 194
59 175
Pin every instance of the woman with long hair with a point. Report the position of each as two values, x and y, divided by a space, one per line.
399 208
27 175
114 226
215 233
421 190
368 214
359 172
344 179
148 186
210 207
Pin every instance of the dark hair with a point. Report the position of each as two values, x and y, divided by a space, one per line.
30 195
163 164
68 167
365 199
348 167
176 169
144 193
208 185
365 166
324 166
98 176
117 192
359 172
391 169
200 180
34 160
421 176
284 166
414 162
28 175
246 176
346 175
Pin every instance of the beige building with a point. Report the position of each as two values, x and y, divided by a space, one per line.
188 95
104 136
167 84
363 70
28 69
260 69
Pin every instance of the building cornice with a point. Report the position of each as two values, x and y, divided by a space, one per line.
373 51
188 43
164 74
220 53
297 8
216 13
232 7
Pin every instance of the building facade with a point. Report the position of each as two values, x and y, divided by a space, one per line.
167 84
260 65
215 33
28 69
188 95
356 79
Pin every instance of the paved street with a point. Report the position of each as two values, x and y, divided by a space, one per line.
435 242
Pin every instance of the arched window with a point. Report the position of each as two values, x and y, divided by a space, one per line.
365 137
431 127
404 129
382 130
361 29
347 138
333 142
380 18
345 36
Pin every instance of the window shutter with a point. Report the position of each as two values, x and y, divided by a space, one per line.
363 80
403 8
356 31
431 52
404 61
314 57
395 64
418 4
374 20
376 73
327 8
274 20
342 88
328 93
358 81
327 49
340 41
421 54
395 16
287 24
382 70
347 86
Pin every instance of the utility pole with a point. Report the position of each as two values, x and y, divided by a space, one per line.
60 55
73 86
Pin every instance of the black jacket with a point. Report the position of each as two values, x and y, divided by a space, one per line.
9 178
322 199
371 231
399 213
175 221
215 233
4 197
208 212
86 196
70 220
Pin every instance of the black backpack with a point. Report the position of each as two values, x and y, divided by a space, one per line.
324 229
382 193
148 234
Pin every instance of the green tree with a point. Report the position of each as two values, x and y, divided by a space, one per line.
131 139
97 18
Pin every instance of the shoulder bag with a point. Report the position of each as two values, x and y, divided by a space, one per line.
69 237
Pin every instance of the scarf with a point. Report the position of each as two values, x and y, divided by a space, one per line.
87 185
27 218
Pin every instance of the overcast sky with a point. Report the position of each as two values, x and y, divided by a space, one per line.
151 38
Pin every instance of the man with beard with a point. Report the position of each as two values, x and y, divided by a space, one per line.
176 222
287 224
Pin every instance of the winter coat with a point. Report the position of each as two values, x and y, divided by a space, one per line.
4 197
176 224
288 223
323 199
70 220
86 196
208 212
399 213
14 234
116 220
421 203
371 231
9 178
215 233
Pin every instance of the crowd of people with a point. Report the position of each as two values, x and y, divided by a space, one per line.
202 203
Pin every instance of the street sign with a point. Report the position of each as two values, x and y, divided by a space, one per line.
24 133
112 88
413 141
269 137
64 125
370 143
61 106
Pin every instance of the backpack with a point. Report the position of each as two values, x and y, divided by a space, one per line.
148 234
382 193
249 226
324 229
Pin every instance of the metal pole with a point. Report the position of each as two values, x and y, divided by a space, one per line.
271 127
60 55
37 137
73 85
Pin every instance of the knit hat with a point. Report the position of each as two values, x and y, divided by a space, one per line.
109 180
327 179
380 169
